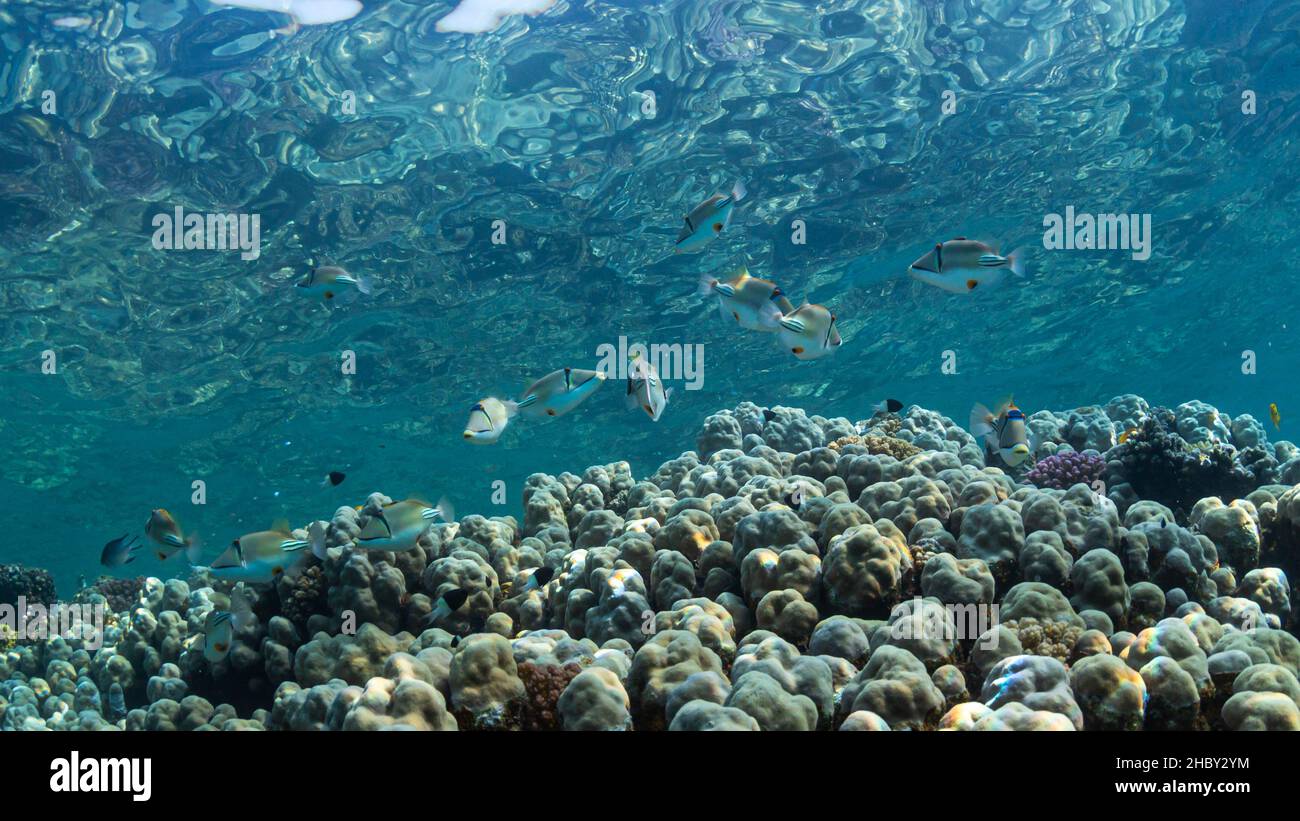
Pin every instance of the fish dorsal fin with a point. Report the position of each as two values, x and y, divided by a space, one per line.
281 525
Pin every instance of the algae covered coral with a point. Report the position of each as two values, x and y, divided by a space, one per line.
929 592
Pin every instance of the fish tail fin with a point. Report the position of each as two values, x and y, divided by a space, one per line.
193 549
317 532
707 281
981 420
770 315
512 408
668 393
738 190
1016 261
447 510
365 284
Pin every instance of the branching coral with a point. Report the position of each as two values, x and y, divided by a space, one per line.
877 445
1162 466
120 594
544 684
1062 471
34 584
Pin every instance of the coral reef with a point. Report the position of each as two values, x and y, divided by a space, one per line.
1064 470
792 573
33 584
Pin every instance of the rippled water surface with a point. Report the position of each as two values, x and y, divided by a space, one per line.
183 365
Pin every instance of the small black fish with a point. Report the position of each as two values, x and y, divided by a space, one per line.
447 604
455 598
335 478
540 577
120 551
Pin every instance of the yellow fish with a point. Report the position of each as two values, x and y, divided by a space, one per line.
1275 415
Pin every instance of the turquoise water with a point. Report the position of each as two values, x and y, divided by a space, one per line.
175 366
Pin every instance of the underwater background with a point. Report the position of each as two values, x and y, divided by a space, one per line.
180 365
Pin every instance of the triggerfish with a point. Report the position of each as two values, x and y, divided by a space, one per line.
708 219
749 301
163 530
488 419
809 331
330 280
230 613
398 526
1003 432
644 388
218 635
961 265
559 392
260 557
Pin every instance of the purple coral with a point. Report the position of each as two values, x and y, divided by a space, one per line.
33 584
1065 470
120 594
